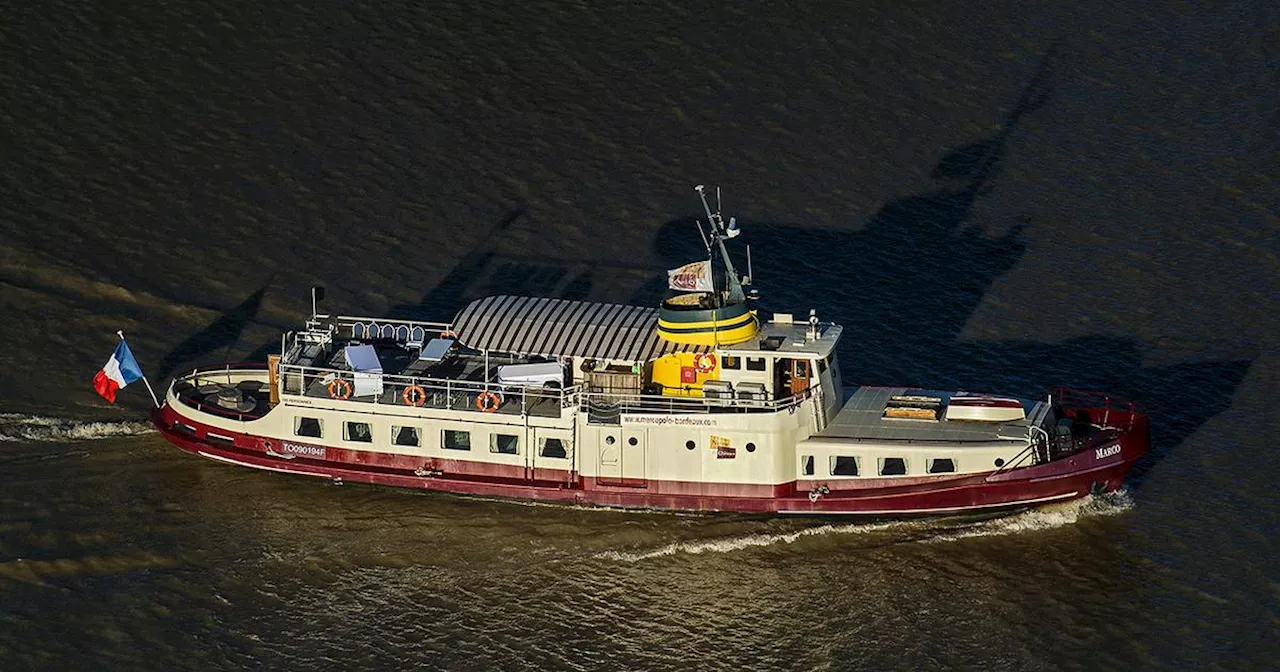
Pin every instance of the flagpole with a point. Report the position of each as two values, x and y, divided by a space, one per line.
146 382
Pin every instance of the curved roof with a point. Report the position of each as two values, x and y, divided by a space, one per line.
556 327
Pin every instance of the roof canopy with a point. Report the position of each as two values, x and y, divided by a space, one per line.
557 327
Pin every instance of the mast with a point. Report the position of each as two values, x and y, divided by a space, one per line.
719 232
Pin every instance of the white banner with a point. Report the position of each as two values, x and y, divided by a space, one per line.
695 277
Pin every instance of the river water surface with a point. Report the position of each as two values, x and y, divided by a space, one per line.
990 196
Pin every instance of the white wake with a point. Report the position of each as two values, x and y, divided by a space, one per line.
738 543
19 427
917 531
1043 518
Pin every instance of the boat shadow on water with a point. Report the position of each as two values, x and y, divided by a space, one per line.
904 286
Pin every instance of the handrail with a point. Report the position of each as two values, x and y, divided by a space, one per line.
1017 459
450 386
629 403
653 403
1031 431
571 396
209 408
228 366
1069 396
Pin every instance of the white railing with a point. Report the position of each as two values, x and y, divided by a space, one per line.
315 382
421 391
608 403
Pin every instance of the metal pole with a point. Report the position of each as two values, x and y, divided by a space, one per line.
146 382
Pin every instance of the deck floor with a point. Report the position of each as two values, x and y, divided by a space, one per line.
862 417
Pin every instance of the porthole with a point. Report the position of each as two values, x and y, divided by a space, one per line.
751 447
609 440
632 441
690 445
999 462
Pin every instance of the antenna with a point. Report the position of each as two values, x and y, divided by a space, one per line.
705 242
750 275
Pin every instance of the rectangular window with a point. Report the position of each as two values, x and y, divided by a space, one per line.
731 362
844 465
507 444
806 465
822 366
307 427
893 466
755 363
802 368
405 436
357 431
553 448
455 439
942 465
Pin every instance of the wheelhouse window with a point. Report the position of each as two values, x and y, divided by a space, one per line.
357 431
941 465
552 447
844 465
806 465
731 362
507 444
455 439
405 436
307 427
755 364
893 466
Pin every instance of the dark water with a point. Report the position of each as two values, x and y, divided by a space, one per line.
991 196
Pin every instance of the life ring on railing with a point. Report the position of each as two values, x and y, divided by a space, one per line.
488 401
705 362
339 389
448 333
414 395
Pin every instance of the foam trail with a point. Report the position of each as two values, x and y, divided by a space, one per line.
18 427
1045 517
738 543
922 530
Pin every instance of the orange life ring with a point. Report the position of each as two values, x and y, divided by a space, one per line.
447 333
705 362
414 395
339 389
488 402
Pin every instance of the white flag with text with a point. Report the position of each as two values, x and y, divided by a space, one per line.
695 277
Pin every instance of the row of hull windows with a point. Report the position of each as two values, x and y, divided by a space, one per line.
847 465
450 439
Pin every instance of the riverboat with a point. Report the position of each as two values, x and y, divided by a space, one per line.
705 403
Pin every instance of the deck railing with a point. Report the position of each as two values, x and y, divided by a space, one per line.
1100 405
422 391
296 381
229 374
604 404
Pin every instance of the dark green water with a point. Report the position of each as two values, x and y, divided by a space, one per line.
1001 196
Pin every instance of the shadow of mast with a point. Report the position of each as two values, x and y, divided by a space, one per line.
907 283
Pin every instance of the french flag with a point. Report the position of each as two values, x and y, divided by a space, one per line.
119 371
